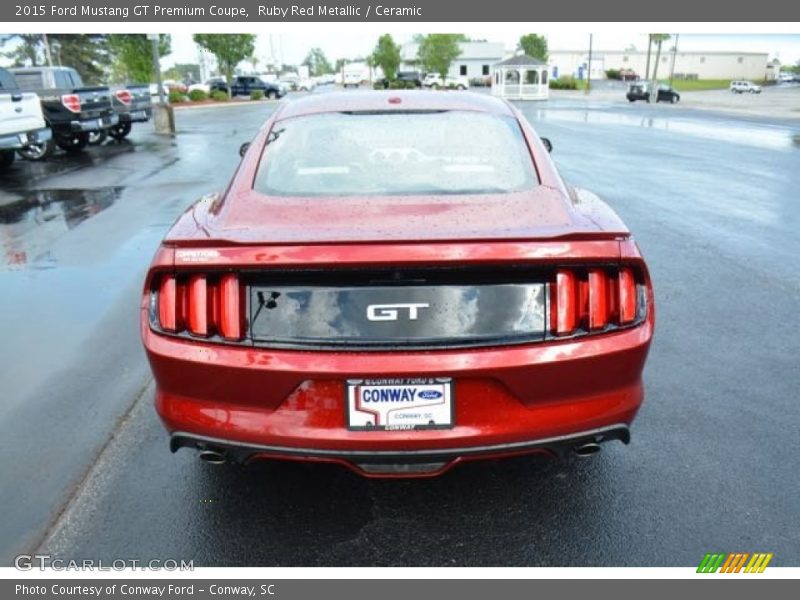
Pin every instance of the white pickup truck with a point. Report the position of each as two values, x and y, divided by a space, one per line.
21 121
433 80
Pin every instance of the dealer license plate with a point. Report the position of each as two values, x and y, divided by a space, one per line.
400 404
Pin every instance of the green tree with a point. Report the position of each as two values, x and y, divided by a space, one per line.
229 49
437 51
534 45
317 62
386 55
133 55
87 53
27 50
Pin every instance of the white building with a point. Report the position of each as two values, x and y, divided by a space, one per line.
688 65
475 61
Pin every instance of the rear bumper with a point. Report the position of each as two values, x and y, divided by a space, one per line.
136 115
399 463
255 403
95 123
26 138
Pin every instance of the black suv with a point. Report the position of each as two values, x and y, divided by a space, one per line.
640 90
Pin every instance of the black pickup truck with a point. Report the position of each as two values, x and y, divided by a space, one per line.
243 85
71 109
132 104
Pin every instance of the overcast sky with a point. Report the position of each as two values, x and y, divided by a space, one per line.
292 48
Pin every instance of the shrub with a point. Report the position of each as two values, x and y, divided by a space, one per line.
564 83
175 97
197 96
612 73
378 85
257 95
219 96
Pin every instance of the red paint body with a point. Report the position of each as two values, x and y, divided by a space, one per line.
288 403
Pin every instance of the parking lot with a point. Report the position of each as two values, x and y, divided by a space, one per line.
712 201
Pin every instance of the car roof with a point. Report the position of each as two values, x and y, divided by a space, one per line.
393 100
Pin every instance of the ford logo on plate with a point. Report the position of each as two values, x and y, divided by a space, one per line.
430 394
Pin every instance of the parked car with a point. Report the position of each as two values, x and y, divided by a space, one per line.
414 77
353 78
740 87
22 123
71 110
306 85
133 105
628 75
433 80
640 90
424 316
208 85
243 85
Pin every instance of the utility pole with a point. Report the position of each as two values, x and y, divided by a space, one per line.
589 68
47 50
164 116
674 54
649 47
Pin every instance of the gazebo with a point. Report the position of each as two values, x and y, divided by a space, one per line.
520 77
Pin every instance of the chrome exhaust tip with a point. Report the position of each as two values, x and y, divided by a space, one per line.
587 449
212 457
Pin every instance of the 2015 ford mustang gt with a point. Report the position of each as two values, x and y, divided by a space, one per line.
397 282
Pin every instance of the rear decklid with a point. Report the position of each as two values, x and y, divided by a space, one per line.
541 213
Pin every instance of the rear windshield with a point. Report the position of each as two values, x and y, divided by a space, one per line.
7 81
443 152
29 80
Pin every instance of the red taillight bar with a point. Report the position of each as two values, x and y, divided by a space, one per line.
565 319
627 296
230 307
598 299
167 304
198 305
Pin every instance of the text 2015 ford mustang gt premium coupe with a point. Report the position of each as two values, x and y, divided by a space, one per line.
397 282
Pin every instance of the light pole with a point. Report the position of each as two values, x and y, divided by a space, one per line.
56 45
47 54
589 68
674 54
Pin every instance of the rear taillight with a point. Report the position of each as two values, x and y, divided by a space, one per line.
596 299
124 96
71 102
201 305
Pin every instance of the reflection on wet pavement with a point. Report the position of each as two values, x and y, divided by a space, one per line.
31 220
739 132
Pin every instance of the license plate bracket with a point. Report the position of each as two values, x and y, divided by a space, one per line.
399 404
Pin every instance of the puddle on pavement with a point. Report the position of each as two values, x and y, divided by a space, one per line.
31 220
725 131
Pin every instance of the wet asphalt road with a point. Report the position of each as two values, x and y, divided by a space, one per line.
712 467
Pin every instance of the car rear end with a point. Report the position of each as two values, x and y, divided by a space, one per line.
133 103
397 335
21 120
86 109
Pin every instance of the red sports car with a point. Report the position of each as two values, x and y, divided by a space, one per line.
397 282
